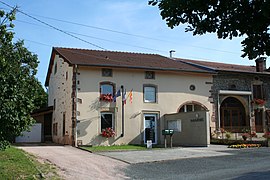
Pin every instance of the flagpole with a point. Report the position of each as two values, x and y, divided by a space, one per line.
123 111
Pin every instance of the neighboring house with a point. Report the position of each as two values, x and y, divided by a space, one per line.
82 83
41 131
240 95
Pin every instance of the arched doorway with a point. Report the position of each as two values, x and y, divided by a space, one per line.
233 115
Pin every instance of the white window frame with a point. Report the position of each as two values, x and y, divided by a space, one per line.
149 86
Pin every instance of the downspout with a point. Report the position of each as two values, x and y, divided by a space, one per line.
123 112
249 109
218 111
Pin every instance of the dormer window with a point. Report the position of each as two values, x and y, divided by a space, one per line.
149 75
107 73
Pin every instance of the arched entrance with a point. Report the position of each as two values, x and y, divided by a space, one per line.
190 106
233 115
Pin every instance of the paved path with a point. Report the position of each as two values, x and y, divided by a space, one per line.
133 157
79 164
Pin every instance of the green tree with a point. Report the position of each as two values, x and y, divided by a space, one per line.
20 91
226 18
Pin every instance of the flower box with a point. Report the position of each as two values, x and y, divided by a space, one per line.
106 97
258 102
108 132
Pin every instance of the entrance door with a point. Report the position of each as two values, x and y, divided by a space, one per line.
231 119
150 128
232 114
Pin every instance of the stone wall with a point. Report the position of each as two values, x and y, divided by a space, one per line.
238 82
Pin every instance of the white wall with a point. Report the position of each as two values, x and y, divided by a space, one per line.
34 135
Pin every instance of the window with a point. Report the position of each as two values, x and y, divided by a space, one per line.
149 94
64 123
54 104
55 68
149 75
191 107
107 88
107 72
258 91
192 87
55 126
106 120
66 75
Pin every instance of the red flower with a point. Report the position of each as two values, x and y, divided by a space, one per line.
267 135
106 97
260 102
108 132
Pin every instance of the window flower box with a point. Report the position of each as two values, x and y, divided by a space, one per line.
108 132
258 102
106 97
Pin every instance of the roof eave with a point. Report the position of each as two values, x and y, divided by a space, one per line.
146 68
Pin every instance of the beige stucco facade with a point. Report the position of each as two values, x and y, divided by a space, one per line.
173 90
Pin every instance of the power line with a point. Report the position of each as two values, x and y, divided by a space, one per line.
70 33
129 34
121 42
43 44
192 57
55 28
141 47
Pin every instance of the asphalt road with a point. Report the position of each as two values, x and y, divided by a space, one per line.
242 164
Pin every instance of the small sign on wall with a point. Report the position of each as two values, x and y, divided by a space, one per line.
175 125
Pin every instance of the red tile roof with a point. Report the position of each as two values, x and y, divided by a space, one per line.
122 59
221 66
97 58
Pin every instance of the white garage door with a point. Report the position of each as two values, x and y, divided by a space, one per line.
33 136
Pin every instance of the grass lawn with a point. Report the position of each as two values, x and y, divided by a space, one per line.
114 148
17 164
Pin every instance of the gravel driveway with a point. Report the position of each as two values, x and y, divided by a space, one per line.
79 164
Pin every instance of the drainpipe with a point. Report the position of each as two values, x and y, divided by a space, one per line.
218 111
123 112
249 108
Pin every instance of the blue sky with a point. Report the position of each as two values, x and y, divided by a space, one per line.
119 25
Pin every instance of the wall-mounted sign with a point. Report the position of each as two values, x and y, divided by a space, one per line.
196 120
175 125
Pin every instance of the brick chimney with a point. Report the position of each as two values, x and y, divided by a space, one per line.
260 64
